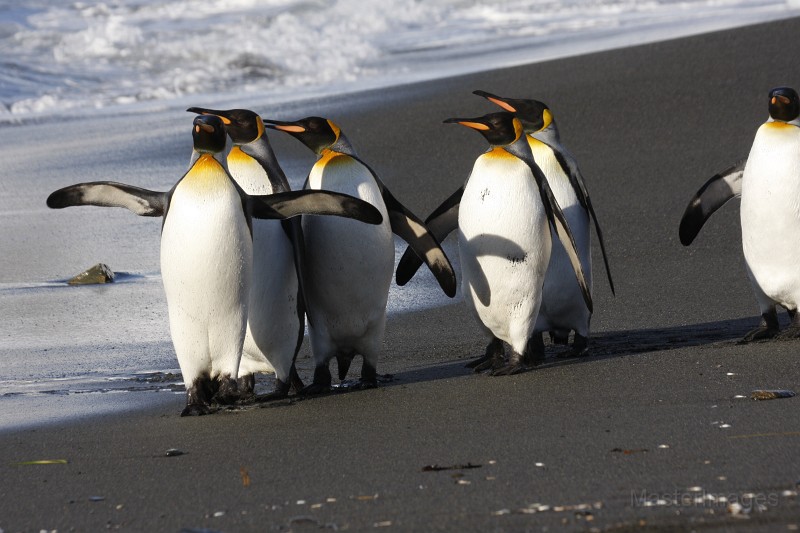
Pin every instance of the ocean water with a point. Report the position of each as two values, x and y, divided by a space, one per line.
66 351
62 56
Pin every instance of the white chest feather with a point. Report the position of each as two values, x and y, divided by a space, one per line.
504 241
206 248
770 211
351 263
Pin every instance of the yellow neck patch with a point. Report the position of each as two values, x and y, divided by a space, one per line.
329 156
547 119
236 155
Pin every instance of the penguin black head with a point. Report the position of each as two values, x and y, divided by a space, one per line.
244 126
209 134
315 132
500 129
534 115
784 104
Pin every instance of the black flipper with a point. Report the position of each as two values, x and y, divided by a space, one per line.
441 222
310 202
411 229
579 186
555 216
712 195
143 202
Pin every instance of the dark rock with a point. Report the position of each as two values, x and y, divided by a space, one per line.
99 273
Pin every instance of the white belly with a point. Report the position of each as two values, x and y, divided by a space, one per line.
273 323
206 261
563 306
350 263
770 213
504 242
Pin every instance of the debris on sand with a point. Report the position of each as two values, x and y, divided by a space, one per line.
760 394
437 468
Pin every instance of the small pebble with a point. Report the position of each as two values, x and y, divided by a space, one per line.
501 512
695 489
301 502
663 446
464 482
174 452
539 465
724 425
218 514
385 523
96 498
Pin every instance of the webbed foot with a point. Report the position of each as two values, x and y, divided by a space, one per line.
516 365
281 391
227 392
767 329
321 383
759 334
196 409
534 351
493 358
510 369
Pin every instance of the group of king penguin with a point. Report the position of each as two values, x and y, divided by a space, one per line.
246 262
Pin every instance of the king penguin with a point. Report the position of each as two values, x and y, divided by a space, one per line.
563 308
206 255
350 266
276 316
504 241
768 182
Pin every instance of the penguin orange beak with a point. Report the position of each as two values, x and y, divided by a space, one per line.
497 100
288 127
468 123
780 98
208 128
202 111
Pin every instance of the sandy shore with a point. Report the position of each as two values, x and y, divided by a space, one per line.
648 431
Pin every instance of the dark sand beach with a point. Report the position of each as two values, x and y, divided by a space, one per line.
654 431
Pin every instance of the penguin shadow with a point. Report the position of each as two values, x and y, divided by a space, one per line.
610 344
484 245
602 345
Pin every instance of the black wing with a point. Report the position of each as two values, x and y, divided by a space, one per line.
571 169
441 222
143 202
310 202
712 195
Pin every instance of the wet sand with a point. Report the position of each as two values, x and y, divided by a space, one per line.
653 430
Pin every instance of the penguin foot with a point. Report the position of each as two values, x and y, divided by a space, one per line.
493 358
759 334
364 384
321 383
281 391
573 352
196 409
510 369
246 387
792 332
534 351
315 389
228 392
